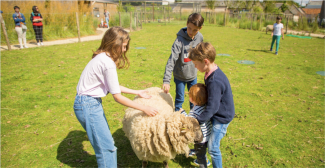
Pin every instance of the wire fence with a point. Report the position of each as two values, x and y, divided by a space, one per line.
64 25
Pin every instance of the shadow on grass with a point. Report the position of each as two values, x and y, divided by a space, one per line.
71 151
266 51
127 158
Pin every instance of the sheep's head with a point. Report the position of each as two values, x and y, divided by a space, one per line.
182 131
192 125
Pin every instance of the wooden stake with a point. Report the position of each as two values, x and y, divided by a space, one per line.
5 32
119 14
130 21
78 27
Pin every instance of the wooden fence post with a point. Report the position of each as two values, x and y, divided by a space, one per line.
180 13
130 21
5 32
261 21
78 27
119 15
287 25
153 12
136 20
141 21
224 18
145 11
168 13
251 21
165 16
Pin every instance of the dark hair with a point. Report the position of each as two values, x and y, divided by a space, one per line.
196 19
34 9
278 18
16 7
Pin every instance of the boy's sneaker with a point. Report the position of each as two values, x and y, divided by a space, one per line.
208 162
42 43
276 53
38 44
192 152
271 49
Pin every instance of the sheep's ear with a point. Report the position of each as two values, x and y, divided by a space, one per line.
183 130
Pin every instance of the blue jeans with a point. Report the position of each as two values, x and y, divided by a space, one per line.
180 86
107 20
218 132
90 113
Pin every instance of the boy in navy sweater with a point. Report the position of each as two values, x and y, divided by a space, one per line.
220 107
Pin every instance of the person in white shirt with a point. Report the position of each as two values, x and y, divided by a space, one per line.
276 34
98 79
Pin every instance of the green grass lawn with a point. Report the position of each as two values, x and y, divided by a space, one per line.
279 100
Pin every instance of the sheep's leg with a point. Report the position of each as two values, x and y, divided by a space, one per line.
165 164
144 164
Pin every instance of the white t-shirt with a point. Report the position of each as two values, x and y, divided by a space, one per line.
277 29
99 77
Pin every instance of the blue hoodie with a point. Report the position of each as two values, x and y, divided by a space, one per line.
17 20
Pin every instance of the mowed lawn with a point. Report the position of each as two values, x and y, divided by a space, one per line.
279 100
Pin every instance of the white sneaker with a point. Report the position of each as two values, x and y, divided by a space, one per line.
26 46
42 43
21 47
38 44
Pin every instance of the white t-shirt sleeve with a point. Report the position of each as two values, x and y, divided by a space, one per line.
111 81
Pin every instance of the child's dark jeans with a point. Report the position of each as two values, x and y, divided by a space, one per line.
200 152
180 87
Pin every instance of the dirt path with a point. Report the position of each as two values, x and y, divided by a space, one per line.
305 34
100 34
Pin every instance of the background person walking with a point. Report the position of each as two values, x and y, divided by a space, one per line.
20 27
37 19
107 17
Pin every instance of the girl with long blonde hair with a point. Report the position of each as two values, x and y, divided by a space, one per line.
98 79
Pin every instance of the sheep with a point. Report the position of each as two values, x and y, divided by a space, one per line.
269 28
162 137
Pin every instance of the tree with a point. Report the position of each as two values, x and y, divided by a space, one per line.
269 7
257 9
284 7
120 6
210 4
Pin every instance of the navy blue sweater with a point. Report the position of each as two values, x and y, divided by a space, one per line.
220 103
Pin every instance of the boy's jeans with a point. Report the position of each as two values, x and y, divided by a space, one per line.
107 20
180 86
218 132
90 113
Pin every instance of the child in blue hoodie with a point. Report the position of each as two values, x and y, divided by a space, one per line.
179 63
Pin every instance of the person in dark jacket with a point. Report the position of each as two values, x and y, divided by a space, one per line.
220 108
19 19
36 18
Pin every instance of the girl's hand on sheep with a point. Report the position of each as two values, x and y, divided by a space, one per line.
144 94
150 111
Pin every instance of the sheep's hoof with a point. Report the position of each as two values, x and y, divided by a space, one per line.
165 164
144 164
